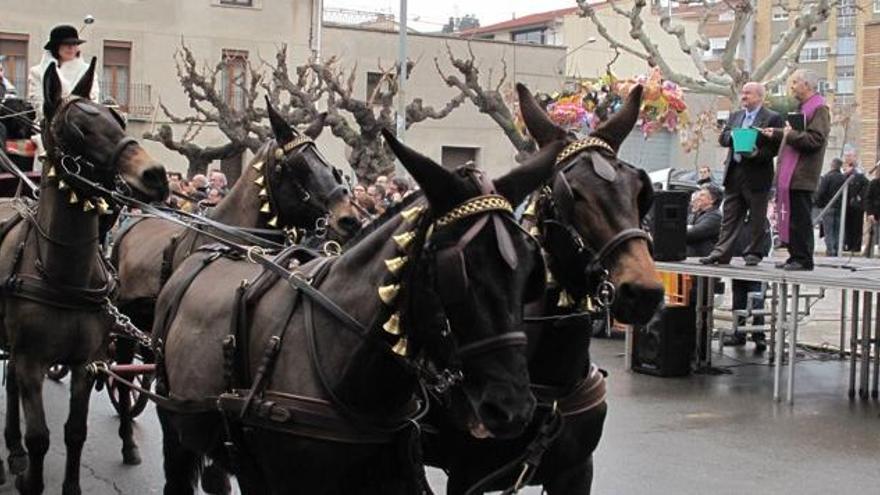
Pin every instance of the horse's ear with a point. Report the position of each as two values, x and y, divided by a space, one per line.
314 129
438 183
645 199
83 88
614 130
539 124
280 128
517 184
51 91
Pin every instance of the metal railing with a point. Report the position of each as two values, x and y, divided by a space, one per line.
136 99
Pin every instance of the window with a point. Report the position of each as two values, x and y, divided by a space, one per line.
726 16
843 101
530 36
238 3
823 86
877 6
846 80
15 47
116 83
845 51
455 156
780 14
233 78
716 48
374 79
814 51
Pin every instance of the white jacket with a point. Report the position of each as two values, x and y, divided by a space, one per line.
69 73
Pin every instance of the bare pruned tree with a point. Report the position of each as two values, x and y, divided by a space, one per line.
728 77
489 98
300 96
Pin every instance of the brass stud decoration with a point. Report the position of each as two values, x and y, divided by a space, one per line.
394 265
413 213
400 347
273 222
387 293
392 326
404 240
88 205
73 198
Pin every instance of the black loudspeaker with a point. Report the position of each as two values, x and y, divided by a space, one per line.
668 225
665 345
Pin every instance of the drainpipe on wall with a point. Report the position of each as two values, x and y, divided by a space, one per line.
317 28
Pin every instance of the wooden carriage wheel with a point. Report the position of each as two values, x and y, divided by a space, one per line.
137 400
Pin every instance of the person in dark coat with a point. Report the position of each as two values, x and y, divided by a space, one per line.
872 209
856 192
747 176
828 187
705 222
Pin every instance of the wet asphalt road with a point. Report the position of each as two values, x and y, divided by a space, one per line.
706 434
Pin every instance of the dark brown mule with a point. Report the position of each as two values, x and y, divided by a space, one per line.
55 281
288 185
452 270
588 222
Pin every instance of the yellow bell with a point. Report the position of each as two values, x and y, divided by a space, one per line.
405 239
265 208
273 222
88 206
387 293
400 347
411 214
260 181
394 265
50 172
392 326
258 166
73 198
565 301
103 207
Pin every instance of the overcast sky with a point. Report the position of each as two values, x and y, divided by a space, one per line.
430 15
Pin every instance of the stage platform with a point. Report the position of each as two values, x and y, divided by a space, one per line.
857 278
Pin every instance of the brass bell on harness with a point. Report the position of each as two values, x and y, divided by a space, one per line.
73 198
565 300
413 213
265 208
387 293
392 326
263 194
258 166
50 172
405 239
394 265
260 181
103 207
88 205
62 185
400 347
273 222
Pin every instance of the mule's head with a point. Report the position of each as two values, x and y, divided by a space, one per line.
603 199
305 190
478 269
88 139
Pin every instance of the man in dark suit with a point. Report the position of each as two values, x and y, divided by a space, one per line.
747 177
828 187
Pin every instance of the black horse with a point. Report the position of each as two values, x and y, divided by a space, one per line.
311 397
587 218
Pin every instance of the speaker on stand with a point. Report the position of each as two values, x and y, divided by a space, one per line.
665 345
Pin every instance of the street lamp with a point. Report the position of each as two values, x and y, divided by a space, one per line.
559 63
87 21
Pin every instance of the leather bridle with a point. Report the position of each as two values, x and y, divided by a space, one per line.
561 197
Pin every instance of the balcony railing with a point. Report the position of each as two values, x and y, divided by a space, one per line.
136 99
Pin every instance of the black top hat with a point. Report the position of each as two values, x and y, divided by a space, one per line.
64 34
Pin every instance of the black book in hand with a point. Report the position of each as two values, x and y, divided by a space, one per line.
796 120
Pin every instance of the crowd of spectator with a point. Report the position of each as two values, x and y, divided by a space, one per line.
198 192
375 198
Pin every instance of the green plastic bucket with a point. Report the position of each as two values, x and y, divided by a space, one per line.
744 140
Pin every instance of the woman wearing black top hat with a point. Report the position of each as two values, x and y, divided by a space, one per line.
63 49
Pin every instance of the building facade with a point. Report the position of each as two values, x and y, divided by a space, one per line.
136 40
